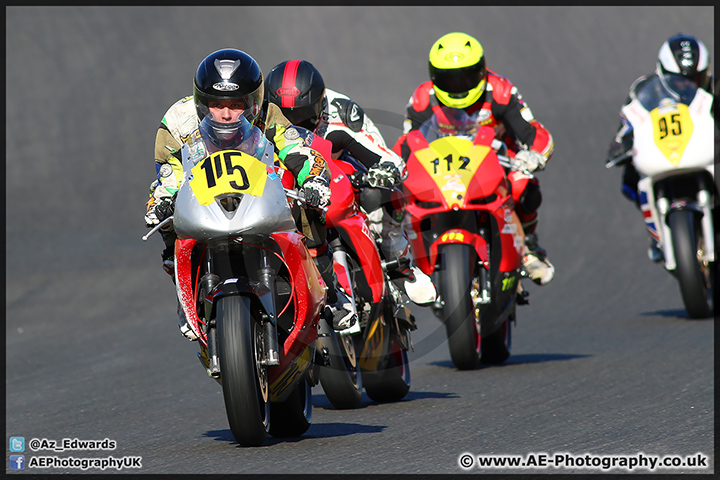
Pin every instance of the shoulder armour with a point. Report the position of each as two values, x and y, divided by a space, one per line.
420 99
349 113
501 88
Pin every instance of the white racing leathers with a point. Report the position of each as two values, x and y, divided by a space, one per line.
353 133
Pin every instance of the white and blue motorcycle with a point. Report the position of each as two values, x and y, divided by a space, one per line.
673 149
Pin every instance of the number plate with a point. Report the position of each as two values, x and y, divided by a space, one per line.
227 171
672 130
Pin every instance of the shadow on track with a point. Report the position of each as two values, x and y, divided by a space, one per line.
519 360
321 401
316 430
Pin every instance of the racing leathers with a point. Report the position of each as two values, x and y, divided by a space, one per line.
352 133
312 174
501 107
622 144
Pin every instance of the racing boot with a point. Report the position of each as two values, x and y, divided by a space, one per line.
535 261
412 281
655 253
395 247
339 310
341 314
418 286
185 329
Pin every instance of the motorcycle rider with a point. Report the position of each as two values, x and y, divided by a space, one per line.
229 83
682 55
460 79
298 88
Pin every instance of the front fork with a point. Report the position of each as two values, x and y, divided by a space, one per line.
208 285
704 206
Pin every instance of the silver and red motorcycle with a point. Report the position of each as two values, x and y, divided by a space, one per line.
247 284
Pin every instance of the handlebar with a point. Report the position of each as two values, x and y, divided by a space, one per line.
618 160
157 227
506 162
297 196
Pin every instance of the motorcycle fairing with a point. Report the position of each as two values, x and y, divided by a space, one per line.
670 132
286 374
485 188
355 232
184 285
376 342
351 224
252 215
309 303
459 235
647 207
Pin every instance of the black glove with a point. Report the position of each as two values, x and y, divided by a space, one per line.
618 149
385 174
316 191
160 211
164 209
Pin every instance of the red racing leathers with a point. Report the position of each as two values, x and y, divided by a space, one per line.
501 107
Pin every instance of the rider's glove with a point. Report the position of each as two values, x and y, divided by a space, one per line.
316 191
528 160
385 174
618 149
159 212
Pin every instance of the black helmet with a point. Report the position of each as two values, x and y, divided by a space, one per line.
299 90
687 56
229 74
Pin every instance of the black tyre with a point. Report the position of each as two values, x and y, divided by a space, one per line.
695 275
495 348
391 383
462 326
244 380
292 417
341 380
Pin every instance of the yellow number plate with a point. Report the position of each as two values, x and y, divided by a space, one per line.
227 171
672 130
450 170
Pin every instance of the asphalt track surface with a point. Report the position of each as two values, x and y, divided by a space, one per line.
604 361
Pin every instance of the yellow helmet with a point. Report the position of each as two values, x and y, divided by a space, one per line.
457 69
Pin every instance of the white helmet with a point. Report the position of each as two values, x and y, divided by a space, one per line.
687 56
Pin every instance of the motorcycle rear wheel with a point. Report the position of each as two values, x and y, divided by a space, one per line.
244 380
391 383
292 417
341 380
463 329
695 275
495 348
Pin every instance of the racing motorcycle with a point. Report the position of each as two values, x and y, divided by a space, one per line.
381 338
465 234
673 147
246 283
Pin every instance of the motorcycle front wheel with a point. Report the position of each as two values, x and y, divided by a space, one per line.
244 379
694 273
463 329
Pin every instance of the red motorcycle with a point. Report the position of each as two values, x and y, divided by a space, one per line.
381 338
464 233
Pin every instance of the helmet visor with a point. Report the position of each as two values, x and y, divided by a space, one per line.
306 117
459 80
250 103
